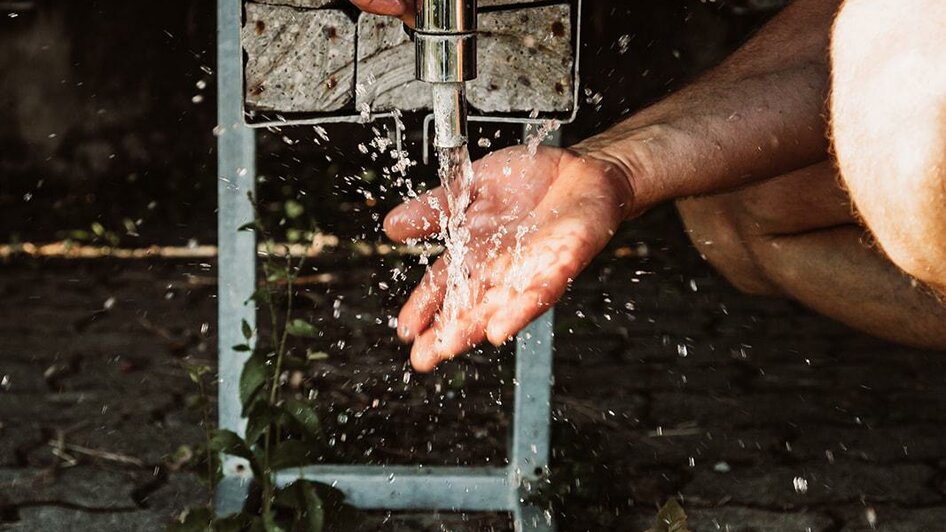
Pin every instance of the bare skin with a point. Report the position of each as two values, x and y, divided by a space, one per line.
888 120
727 138
796 236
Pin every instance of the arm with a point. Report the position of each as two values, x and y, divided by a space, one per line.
758 114
538 219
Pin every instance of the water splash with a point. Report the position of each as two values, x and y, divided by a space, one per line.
456 176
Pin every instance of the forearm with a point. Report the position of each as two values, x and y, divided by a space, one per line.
758 114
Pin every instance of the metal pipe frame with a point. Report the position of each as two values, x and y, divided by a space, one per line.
499 489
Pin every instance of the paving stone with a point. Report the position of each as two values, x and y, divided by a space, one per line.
16 440
878 444
760 409
84 486
788 487
737 519
180 491
18 376
735 412
649 377
36 518
150 443
54 409
877 376
680 445
893 519
128 374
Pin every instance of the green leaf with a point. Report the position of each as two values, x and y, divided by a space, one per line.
247 330
263 296
302 328
227 442
301 496
259 416
196 371
98 229
269 523
194 520
304 416
294 209
291 453
276 272
253 378
241 522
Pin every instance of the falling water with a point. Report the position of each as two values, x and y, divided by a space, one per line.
456 176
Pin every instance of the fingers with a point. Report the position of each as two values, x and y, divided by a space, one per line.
417 218
425 300
525 287
448 339
539 278
402 9
520 311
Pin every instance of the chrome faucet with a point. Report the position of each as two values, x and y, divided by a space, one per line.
445 50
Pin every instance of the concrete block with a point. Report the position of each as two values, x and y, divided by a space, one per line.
298 60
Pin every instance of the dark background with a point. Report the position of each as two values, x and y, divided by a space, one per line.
103 118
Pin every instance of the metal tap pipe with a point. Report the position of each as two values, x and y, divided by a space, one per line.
445 54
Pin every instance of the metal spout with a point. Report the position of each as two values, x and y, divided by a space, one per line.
445 53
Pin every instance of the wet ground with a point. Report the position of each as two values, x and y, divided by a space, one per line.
757 414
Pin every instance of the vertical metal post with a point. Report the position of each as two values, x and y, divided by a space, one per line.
236 168
236 257
529 455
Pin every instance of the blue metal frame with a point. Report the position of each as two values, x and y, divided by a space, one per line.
376 487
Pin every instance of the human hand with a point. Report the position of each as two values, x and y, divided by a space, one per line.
535 222
402 9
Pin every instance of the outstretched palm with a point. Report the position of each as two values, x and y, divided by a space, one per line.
535 221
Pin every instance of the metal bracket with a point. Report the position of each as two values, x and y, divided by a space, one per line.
380 487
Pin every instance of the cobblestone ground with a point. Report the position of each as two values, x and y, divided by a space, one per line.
756 414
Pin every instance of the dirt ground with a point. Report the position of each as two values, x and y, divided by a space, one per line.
757 414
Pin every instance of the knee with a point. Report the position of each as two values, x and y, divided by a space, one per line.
888 121
713 225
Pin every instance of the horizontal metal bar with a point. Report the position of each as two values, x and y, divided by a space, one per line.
316 120
415 487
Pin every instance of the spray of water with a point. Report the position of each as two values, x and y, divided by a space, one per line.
456 176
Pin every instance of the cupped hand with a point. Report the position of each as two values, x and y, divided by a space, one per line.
535 222
402 9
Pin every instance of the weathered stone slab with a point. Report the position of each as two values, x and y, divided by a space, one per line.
386 67
298 60
524 62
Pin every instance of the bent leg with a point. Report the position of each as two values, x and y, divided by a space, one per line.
888 114
796 234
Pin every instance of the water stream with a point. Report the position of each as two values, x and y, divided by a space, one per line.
456 177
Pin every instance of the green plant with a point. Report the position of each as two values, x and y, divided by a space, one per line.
283 431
